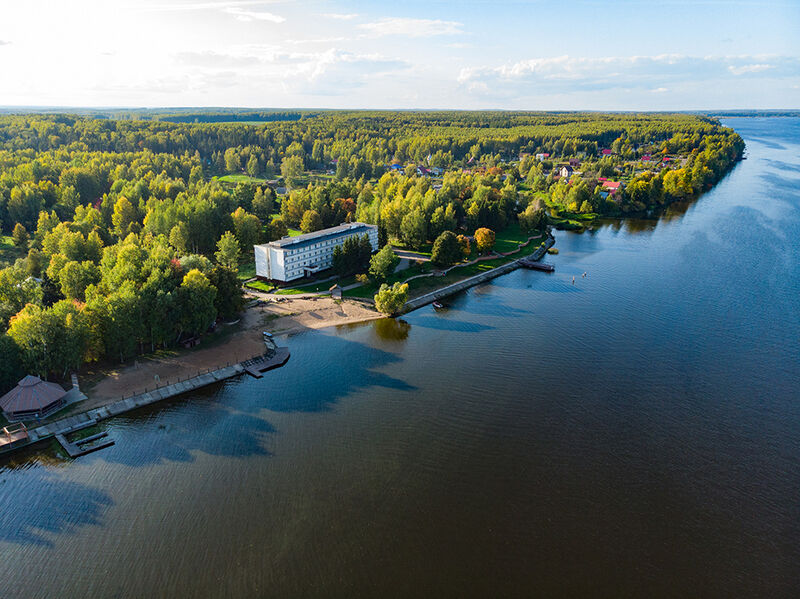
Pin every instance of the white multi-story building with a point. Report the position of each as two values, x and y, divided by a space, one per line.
293 258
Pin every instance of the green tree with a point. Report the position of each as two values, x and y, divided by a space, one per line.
11 370
263 203
383 263
125 218
17 288
197 302
277 229
247 229
252 166
311 221
292 169
390 300
533 218
233 162
413 229
20 236
179 238
446 250
228 252
75 277
229 298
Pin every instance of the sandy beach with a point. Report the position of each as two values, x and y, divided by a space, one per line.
285 316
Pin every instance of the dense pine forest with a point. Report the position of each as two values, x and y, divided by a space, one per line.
123 235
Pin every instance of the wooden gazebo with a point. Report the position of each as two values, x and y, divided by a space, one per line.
32 398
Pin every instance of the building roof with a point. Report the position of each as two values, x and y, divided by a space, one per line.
30 395
611 185
308 238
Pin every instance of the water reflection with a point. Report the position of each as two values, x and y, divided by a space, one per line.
391 329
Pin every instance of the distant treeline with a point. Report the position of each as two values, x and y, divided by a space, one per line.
216 117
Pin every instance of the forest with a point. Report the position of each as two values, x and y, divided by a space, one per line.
120 236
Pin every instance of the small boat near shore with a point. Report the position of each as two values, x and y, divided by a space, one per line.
543 266
438 305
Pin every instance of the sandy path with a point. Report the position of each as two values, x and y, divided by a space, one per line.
285 316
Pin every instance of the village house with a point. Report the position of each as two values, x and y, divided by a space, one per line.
565 172
542 156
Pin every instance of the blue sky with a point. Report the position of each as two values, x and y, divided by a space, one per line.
623 55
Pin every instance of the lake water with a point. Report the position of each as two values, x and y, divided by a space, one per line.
636 434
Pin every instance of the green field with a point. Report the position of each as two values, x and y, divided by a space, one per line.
242 179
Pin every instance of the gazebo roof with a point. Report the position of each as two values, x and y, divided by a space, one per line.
31 394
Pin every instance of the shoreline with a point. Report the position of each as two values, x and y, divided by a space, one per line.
179 372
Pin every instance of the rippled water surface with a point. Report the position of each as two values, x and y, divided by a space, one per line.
634 434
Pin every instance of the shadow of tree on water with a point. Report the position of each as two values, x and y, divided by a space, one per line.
37 503
325 368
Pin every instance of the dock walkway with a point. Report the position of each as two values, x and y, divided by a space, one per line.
65 426
429 298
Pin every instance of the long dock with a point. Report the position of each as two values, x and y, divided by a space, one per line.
429 298
60 429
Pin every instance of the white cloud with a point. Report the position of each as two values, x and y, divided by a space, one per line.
193 6
339 16
567 73
253 15
750 68
659 90
4 43
411 27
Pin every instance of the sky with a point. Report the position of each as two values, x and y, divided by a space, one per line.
470 54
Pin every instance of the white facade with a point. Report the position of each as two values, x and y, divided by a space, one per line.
293 258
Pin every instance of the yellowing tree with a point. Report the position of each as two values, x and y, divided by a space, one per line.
484 239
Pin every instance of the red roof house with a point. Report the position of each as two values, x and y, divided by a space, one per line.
32 398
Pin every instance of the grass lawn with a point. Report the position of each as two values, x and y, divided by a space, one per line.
261 286
247 271
294 232
242 179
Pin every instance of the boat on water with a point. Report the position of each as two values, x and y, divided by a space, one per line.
438 305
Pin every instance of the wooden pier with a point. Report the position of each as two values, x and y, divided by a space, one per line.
535 265
17 438
272 359
81 447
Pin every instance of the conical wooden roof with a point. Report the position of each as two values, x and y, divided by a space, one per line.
31 394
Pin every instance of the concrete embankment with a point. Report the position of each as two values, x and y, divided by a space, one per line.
431 297
70 424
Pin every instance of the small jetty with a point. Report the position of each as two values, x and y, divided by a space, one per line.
535 265
82 446
273 358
